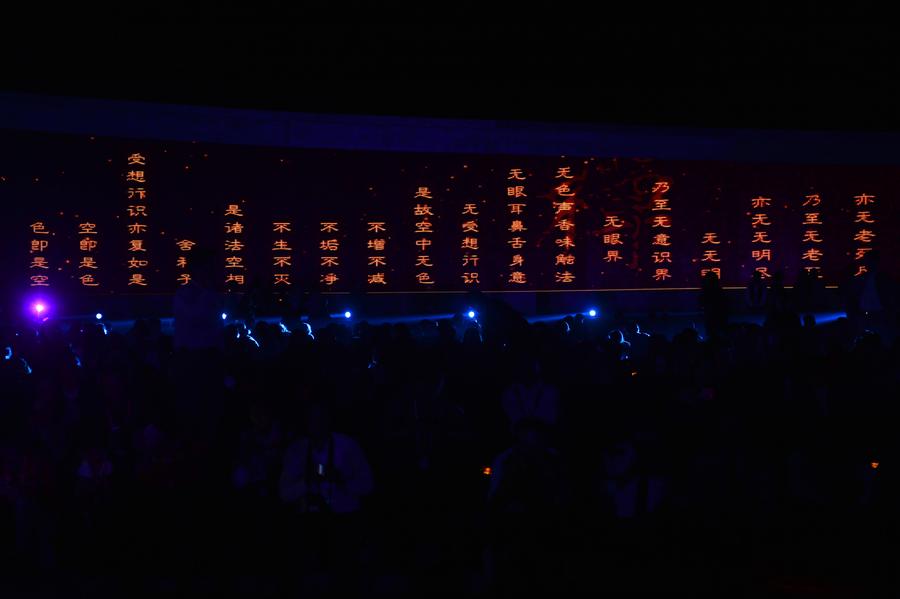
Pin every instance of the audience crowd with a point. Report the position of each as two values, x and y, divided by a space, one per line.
484 455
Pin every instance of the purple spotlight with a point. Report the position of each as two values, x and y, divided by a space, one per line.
39 308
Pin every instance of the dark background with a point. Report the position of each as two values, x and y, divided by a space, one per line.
711 66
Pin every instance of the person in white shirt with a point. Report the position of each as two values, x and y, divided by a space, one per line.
531 398
325 471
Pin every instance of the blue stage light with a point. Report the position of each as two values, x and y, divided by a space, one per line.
98 315
471 313
39 308
347 314
224 315
592 313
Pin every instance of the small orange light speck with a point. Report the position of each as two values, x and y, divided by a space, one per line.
874 465
486 471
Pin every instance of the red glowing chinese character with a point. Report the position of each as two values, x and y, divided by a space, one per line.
612 256
864 216
565 242
38 228
812 200
565 224
812 254
864 236
517 226
89 244
563 190
812 236
88 262
760 219
613 221
811 218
